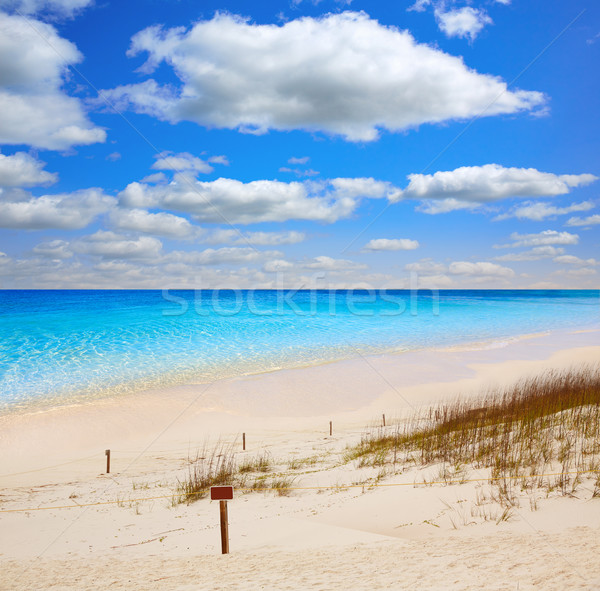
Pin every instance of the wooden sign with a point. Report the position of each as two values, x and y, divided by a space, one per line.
221 493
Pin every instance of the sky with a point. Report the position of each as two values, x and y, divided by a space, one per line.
441 144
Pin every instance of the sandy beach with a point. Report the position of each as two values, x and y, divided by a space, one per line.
335 525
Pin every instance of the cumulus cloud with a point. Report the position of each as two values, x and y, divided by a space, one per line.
419 5
300 160
343 74
66 211
480 269
426 267
325 263
547 237
54 249
582 272
232 201
220 256
181 162
159 224
300 172
109 245
233 236
470 186
569 259
437 275
219 159
541 211
277 266
22 170
465 22
535 254
391 244
64 8
34 109
157 177
591 220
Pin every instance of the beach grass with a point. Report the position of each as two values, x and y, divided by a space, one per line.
543 433
549 424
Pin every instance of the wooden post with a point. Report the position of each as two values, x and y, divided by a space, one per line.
244 441
330 428
384 420
224 528
222 494
107 454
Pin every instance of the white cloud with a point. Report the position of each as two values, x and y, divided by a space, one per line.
480 269
301 160
547 237
181 162
541 211
476 185
591 220
343 74
220 256
64 8
22 170
535 254
232 236
109 245
160 224
325 263
568 259
434 275
67 211
593 40
54 249
113 157
157 177
445 206
34 109
427 267
277 266
419 5
231 201
465 22
391 244
219 160
299 172
583 272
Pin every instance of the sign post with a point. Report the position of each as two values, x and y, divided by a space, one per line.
223 494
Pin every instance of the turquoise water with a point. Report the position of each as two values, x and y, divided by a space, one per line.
57 347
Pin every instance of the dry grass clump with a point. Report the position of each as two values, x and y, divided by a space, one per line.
210 467
218 466
546 424
260 463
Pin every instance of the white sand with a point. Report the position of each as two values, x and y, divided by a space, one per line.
386 537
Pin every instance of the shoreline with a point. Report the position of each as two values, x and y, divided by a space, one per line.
351 392
138 388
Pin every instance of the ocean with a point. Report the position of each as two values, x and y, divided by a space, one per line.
64 347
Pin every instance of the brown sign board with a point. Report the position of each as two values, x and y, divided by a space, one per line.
221 493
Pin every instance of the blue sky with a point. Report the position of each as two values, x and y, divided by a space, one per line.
165 144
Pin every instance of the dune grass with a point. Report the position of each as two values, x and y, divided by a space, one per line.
545 424
218 465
